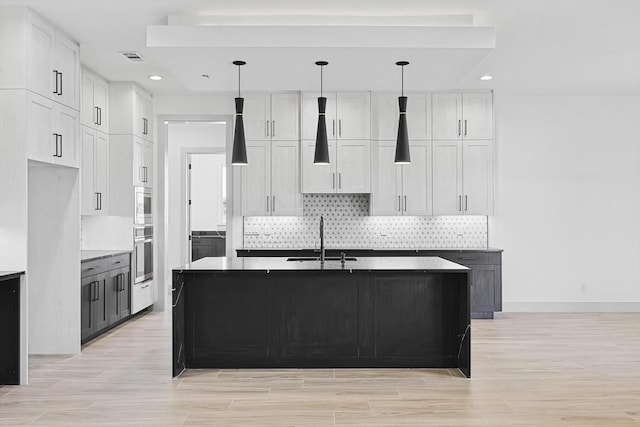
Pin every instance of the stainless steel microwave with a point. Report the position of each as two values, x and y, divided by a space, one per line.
143 206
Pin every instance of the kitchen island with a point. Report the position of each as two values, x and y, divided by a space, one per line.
370 312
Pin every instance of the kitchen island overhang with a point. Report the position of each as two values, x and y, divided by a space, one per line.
406 312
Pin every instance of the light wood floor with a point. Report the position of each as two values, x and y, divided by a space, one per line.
528 369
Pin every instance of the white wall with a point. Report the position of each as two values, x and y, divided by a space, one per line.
568 202
207 191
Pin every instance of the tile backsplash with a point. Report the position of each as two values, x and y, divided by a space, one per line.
348 225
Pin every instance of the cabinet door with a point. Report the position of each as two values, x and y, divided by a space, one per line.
318 178
285 116
354 115
67 63
416 180
100 305
112 291
101 171
147 117
477 109
310 115
477 166
101 102
88 111
40 41
41 143
68 126
447 177
89 197
256 118
418 116
138 114
87 294
483 279
354 166
147 161
256 179
386 181
447 116
384 114
138 162
285 178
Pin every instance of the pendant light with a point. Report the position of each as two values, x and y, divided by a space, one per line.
239 154
321 154
403 156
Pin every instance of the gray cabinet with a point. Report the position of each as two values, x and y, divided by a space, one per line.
204 244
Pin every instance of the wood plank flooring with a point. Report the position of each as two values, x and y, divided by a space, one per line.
527 370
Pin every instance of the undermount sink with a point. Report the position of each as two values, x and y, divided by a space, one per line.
332 258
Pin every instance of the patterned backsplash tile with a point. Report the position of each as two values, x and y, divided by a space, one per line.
348 225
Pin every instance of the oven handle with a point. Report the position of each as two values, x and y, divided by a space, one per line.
145 240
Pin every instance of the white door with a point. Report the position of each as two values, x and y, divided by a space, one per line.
310 115
40 41
477 159
386 181
67 63
447 116
88 111
285 116
354 115
101 171
478 115
384 116
285 178
89 198
68 127
418 116
318 178
256 180
447 177
256 117
416 178
354 166
41 141
101 101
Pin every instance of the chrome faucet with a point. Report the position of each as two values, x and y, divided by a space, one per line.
321 240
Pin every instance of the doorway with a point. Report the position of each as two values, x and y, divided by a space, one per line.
206 205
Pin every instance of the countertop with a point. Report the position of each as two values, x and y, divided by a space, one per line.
6 275
362 264
373 250
89 255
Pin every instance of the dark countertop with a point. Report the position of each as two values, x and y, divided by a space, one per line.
362 264
90 255
6 275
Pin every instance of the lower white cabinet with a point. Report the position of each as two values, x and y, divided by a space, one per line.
270 182
141 296
53 134
463 177
349 169
95 172
401 189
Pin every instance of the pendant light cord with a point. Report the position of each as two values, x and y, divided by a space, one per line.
321 67
238 81
402 90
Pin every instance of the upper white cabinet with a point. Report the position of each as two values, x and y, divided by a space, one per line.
130 111
272 116
142 163
463 177
53 134
94 109
463 115
95 170
43 59
385 113
270 182
401 189
348 115
349 170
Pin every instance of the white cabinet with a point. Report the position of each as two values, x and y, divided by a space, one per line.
463 177
385 113
66 67
270 182
142 162
349 170
401 189
130 111
95 169
94 109
348 115
463 115
53 132
142 115
272 116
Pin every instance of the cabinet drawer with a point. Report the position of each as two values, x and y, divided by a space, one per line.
471 258
91 267
118 261
141 296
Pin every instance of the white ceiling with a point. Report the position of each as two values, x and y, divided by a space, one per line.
541 46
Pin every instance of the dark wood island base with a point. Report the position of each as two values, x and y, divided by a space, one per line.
270 313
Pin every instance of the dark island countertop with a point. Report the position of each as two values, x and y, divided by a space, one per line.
267 264
98 254
358 252
6 275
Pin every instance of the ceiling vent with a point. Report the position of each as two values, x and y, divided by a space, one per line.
133 56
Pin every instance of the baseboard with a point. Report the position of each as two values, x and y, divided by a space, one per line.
571 306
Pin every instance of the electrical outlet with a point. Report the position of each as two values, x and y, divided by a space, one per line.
583 287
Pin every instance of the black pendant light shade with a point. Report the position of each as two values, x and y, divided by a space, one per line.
321 154
403 156
239 153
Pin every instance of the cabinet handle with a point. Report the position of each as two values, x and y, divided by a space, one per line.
466 203
60 145
55 136
458 127
333 180
399 204
267 203
100 199
273 128
97 202
146 174
460 203
95 120
273 203
405 203
340 127
465 127
60 92
97 291
333 131
99 116
266 127
55 72
91 291
340 180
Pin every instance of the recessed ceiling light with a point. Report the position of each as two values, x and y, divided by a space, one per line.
486 77
155 77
